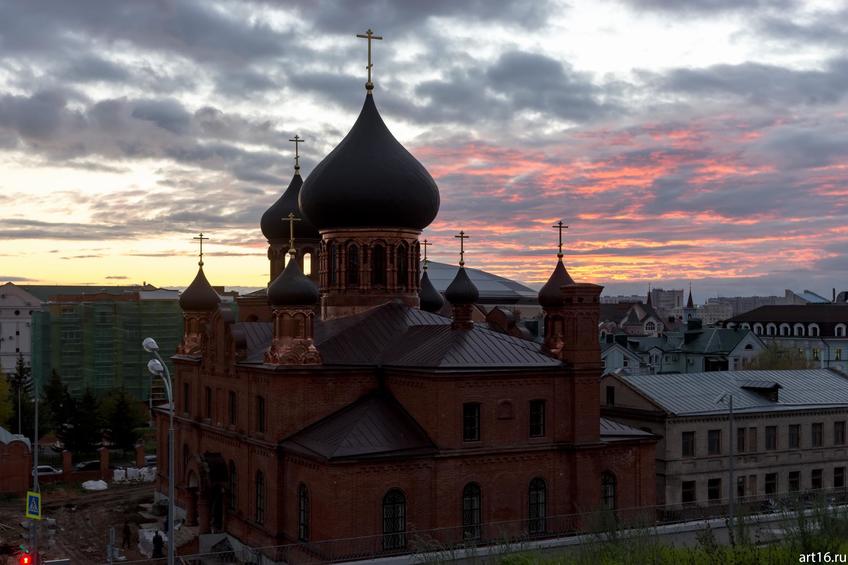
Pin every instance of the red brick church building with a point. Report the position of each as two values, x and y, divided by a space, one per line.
340 405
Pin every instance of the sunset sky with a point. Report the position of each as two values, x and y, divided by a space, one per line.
680 139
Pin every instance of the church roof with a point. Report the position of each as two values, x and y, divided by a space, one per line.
395 335
199 296
293 288
370 180
461 290
373 426
551 294
273 223
430 299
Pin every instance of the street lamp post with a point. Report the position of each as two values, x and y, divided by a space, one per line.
158 367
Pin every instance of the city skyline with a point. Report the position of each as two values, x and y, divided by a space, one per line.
681 141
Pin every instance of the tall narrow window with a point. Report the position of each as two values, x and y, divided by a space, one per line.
232 486
332 268
714 490
794 436
610 395
471 421
471 511
741 436
839 477
771 438
352 265
816 479
378 266
232 407
818 434
608 484
186 398
839 433
687 492
208 393
394 520
688 444
307 264
402 264
771 483
714 442
537 511
260 497
794 481
302 513
260 414
537 418
752 440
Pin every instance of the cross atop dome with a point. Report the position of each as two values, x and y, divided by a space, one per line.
201 239
559 226
297 141
369 35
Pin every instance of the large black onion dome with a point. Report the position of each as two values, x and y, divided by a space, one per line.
274 225
199 296
461 290
429 298
550 295
292 288
370 180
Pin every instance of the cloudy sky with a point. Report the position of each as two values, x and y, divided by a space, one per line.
702 140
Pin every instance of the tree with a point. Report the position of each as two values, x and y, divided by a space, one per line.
20 383
122 418
85 431
6 406
777 357
58 406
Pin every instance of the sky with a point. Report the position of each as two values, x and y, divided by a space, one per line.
680 140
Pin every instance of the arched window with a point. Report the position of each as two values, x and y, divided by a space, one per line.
394 520
232 486
799 330
784 329
378 266
814 330
608 490
331 263
840 330
307 263
471 511
771 329
650 326
302 513
758 329
260 497
353 265
537 511
402 264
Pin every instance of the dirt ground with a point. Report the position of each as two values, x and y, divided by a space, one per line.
82 519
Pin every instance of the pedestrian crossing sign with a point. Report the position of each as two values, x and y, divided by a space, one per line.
33 506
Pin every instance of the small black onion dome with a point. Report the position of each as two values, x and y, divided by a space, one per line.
550 295
370 180
292 288
199 296
429 297
274 225
461 290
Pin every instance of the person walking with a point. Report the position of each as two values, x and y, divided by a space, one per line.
158 545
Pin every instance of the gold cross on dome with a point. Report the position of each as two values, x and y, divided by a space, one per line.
369 35
200 238
291 219
297 141
559 226
462 237
425 244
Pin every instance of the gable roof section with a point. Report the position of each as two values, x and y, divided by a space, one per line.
685 394
376 425
616 431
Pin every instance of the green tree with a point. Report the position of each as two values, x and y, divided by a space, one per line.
20 383
122 417
85 429
777 357
58 406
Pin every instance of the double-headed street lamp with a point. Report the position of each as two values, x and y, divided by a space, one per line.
158 367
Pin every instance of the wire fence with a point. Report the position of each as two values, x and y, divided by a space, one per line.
510 536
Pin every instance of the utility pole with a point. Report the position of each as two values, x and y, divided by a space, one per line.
33 524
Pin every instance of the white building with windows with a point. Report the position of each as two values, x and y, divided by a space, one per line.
818 331
789 433
16 309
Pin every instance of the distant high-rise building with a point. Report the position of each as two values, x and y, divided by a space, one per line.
667 303
16 309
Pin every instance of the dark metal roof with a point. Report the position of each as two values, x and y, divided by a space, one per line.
373 426
429 297
612 430
551 294
370 180
293 288
492 288
395 335
461 290
199 296
790 313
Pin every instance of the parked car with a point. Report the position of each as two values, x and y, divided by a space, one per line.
93 465
48 470
149 460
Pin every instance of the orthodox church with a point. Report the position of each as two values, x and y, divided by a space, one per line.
338 404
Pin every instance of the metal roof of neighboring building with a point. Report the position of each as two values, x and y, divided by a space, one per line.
686 394
795 313
373 426
612 430
492 288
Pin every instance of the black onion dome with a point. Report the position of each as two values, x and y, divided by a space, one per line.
370 180
274 225
292 288
199 296
429 297
550 295
461 290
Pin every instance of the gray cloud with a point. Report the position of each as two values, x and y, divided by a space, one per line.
710 6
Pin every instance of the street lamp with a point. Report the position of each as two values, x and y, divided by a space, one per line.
728 398
158 367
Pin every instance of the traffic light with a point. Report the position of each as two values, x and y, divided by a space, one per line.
25 559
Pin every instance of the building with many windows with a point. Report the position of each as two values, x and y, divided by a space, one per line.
17 307
789 430
347 408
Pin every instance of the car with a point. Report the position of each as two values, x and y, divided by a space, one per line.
48 470
149 460
93 465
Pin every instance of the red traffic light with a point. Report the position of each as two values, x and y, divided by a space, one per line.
25 559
